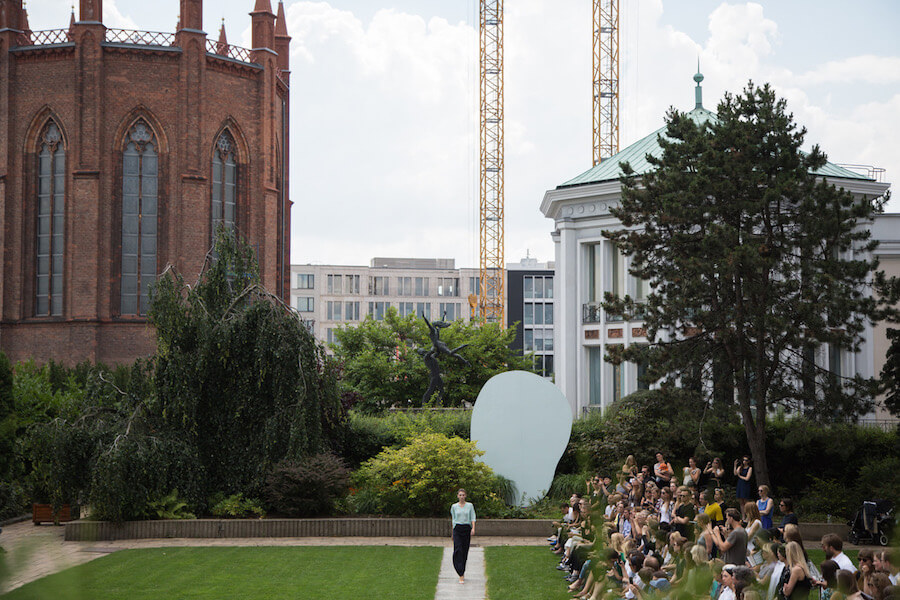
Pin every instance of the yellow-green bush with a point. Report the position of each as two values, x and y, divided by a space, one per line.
421 479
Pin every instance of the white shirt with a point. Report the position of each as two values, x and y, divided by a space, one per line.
894 578
774 579
843 562
727 593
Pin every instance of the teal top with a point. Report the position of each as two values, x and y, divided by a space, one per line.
462 515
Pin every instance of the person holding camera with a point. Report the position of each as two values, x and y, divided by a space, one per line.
734 546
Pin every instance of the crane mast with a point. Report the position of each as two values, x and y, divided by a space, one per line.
492 269
606 79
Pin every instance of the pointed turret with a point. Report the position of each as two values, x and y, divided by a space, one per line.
222 43
91 11
26 28
282 41
72 20
698 91
263 25
191 15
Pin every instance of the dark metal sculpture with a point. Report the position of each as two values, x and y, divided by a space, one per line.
438 347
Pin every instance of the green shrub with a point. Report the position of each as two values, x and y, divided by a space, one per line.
169 507
12 500
307 487
822 497
566 484
236 506
137 470
367 435
421 478
879 479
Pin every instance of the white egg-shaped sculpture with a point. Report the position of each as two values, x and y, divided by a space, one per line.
522 422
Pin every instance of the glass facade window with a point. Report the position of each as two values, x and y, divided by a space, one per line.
379 286
305 304
305 281
51 205
351 284
595 273
421 284
423 309
595 375
140 172
405 286
448 286
528 340
333 311
377 310
407 308
528 314
351 311
224 183
450 311
475 285
333 284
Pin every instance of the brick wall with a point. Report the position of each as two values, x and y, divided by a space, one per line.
95 92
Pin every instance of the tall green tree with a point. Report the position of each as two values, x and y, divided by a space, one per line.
755 263
383 366
237 374
890 373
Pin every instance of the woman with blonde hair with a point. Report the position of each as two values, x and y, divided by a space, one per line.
629 469
800 582
754 527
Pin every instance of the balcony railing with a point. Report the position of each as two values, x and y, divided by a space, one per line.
133 37
140 38
591 312
228 51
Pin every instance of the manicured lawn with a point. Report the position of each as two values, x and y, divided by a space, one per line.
270 573
523 573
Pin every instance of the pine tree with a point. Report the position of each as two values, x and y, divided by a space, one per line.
755 265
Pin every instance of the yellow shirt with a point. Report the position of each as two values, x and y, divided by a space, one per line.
714 511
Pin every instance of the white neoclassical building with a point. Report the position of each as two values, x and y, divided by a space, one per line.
588 266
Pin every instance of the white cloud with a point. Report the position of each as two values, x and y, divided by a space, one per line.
880 70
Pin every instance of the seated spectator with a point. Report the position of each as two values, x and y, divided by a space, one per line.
846 585
800 582
886 562
833 546
727 592
876 584
829 570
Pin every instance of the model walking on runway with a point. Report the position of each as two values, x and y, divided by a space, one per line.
462 515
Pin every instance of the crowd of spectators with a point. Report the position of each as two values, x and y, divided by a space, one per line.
649 534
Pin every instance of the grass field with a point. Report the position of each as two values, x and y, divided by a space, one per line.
523 573
270 573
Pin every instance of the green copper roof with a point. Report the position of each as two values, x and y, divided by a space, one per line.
611 168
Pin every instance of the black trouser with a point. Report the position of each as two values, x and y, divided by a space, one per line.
462 535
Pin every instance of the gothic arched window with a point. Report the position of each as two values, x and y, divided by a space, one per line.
224 182
51 206
140 172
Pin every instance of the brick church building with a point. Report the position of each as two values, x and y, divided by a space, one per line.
120 154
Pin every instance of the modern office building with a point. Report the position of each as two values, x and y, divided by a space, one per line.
331 296
530 304
588 266
120 153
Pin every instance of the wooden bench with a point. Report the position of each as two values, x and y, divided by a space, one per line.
43 513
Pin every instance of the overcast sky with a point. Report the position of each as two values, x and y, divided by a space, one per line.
384 131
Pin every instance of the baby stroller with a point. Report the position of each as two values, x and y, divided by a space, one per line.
873 523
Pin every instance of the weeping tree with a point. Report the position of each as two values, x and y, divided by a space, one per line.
756 264
237 374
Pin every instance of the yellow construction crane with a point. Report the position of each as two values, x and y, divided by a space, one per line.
492 269
606 79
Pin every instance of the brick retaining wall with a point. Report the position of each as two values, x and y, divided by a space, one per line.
243 528
247 528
